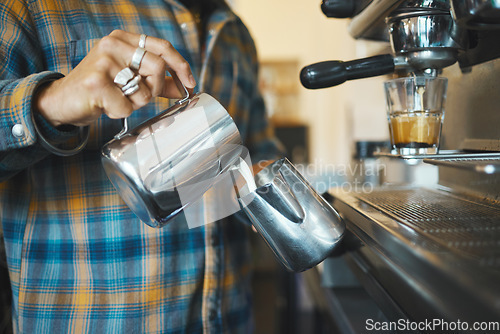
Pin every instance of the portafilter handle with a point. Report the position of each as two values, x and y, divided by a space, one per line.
332 73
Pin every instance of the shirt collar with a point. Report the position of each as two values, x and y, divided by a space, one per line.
216 23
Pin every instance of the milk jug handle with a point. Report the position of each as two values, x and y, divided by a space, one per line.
185 98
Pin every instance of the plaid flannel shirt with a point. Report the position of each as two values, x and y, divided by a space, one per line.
79 260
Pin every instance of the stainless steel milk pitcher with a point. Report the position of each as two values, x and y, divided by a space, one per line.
297 223
169 162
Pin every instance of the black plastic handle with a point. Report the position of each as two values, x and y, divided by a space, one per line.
332 73
339 9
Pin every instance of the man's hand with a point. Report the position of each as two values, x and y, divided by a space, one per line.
88 91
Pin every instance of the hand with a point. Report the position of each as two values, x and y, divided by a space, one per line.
88 91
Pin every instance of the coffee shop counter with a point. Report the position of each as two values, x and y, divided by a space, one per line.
412 256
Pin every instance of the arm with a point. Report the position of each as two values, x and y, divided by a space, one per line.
59 104
21 66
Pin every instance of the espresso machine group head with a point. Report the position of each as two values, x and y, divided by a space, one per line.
426 36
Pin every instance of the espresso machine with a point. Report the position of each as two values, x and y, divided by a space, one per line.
426 37
425 254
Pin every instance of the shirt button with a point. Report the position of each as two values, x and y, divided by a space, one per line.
215 241
213 315
18 131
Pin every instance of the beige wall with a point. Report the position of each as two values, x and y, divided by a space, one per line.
297 29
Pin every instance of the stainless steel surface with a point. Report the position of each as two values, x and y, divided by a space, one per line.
470 182
370 23
299 226
473 14
480 165
436 254
347 308
424 38
480 21
473 116
477 14
423 5
443 154
460 225
427 41
480 144
171 160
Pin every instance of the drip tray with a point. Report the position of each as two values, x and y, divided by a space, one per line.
460 225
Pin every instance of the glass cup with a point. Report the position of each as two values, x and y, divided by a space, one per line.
415 110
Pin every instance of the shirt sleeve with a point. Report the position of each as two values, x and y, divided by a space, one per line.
22 72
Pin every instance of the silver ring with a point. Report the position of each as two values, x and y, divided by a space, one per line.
137 58
124 76
131 90
142 41
131 83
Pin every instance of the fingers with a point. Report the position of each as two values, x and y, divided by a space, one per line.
117 54
160 56
89 89
153 71
134 101
116 105
173 60
138 97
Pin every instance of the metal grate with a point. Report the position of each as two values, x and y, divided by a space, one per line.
481 165
458 224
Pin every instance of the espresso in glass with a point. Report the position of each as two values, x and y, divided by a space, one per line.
416 130
415 113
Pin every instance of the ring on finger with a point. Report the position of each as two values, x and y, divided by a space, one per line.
139 53
131 90
131 83
124 76
142 41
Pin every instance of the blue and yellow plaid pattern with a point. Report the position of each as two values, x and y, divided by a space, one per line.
79 260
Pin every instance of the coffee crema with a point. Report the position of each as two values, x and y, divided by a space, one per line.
415 129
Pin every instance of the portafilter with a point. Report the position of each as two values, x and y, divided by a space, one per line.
424 40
